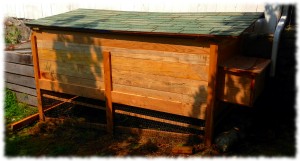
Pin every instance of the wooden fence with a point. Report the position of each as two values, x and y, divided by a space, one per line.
19 76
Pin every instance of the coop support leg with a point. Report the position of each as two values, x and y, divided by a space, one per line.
37 75
211 95
108 89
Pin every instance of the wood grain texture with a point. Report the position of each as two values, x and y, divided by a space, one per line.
191 100
108 88
72 69
22 89
14 57
72 89
25 70
20 80
72 80
160 105
158 82
26 98
177 70
180 45
87 54
36 67
211 95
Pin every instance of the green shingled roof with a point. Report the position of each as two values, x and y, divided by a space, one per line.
191 23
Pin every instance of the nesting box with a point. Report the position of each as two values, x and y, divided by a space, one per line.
242 79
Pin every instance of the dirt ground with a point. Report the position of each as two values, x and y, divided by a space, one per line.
269 127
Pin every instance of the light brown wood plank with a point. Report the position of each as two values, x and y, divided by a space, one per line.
22 89
36 67
178 70
158 82
211 95
130 42
176 108
80 55
76 70
72 80
25 70
72 89
108 88
167 96
20 80
14 57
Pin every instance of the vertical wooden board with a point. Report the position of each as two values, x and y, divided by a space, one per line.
108 89
36 68
211 97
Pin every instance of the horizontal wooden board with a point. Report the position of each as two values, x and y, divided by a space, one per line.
197 111
22 89
168 96
50 38
25 98
93 72
21 69
14 57
90 56
72 80
158 82
178 70
20 80
72 89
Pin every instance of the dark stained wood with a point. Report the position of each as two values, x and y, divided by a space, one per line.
19 88
14 57
19 69
20 80
108 88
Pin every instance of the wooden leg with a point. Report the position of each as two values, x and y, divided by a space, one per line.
37 76
108 89
211 95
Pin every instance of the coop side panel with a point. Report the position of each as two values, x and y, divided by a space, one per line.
69 66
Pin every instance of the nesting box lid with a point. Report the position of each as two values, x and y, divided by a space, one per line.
191 23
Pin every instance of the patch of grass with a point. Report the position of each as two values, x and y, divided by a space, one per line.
14 110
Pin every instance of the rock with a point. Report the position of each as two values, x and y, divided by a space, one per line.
8 23
226 140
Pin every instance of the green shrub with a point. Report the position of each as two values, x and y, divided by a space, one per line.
12 35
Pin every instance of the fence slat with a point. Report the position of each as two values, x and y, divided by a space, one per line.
26 90
19 69
20 80
14 57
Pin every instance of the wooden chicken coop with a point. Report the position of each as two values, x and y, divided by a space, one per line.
177 63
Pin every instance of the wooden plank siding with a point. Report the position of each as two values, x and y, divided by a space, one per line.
19 76
159 70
